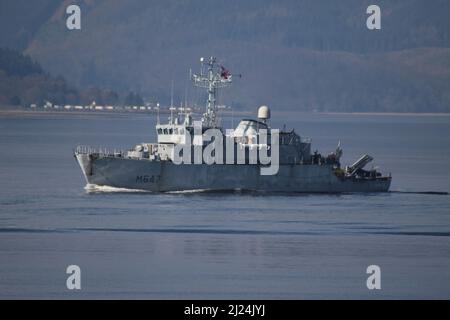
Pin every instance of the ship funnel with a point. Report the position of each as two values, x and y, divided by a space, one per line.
264 113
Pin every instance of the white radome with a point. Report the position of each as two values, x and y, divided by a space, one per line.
264 113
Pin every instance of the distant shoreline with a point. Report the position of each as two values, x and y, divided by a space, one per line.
94 113
19 112
388 113
25 113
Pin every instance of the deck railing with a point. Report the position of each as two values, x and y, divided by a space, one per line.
103 152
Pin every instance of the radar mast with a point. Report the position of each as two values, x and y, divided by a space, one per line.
212 77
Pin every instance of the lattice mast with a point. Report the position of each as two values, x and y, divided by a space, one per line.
212 77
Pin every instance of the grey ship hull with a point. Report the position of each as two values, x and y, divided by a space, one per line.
164 176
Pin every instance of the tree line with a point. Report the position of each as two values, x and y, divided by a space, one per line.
23 82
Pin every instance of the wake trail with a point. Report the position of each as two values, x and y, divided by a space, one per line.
440 193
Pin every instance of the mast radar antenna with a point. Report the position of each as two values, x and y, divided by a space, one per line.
212 77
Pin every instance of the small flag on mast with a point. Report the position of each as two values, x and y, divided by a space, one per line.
224 73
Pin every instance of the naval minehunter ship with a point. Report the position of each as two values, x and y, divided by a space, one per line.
155 166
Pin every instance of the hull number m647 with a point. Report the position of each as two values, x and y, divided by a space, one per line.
146 179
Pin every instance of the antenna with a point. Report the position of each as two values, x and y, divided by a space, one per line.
185 95
171 95
171 119
212 77
186 88
232 116
157 113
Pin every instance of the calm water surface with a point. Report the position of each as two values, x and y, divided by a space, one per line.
224 245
